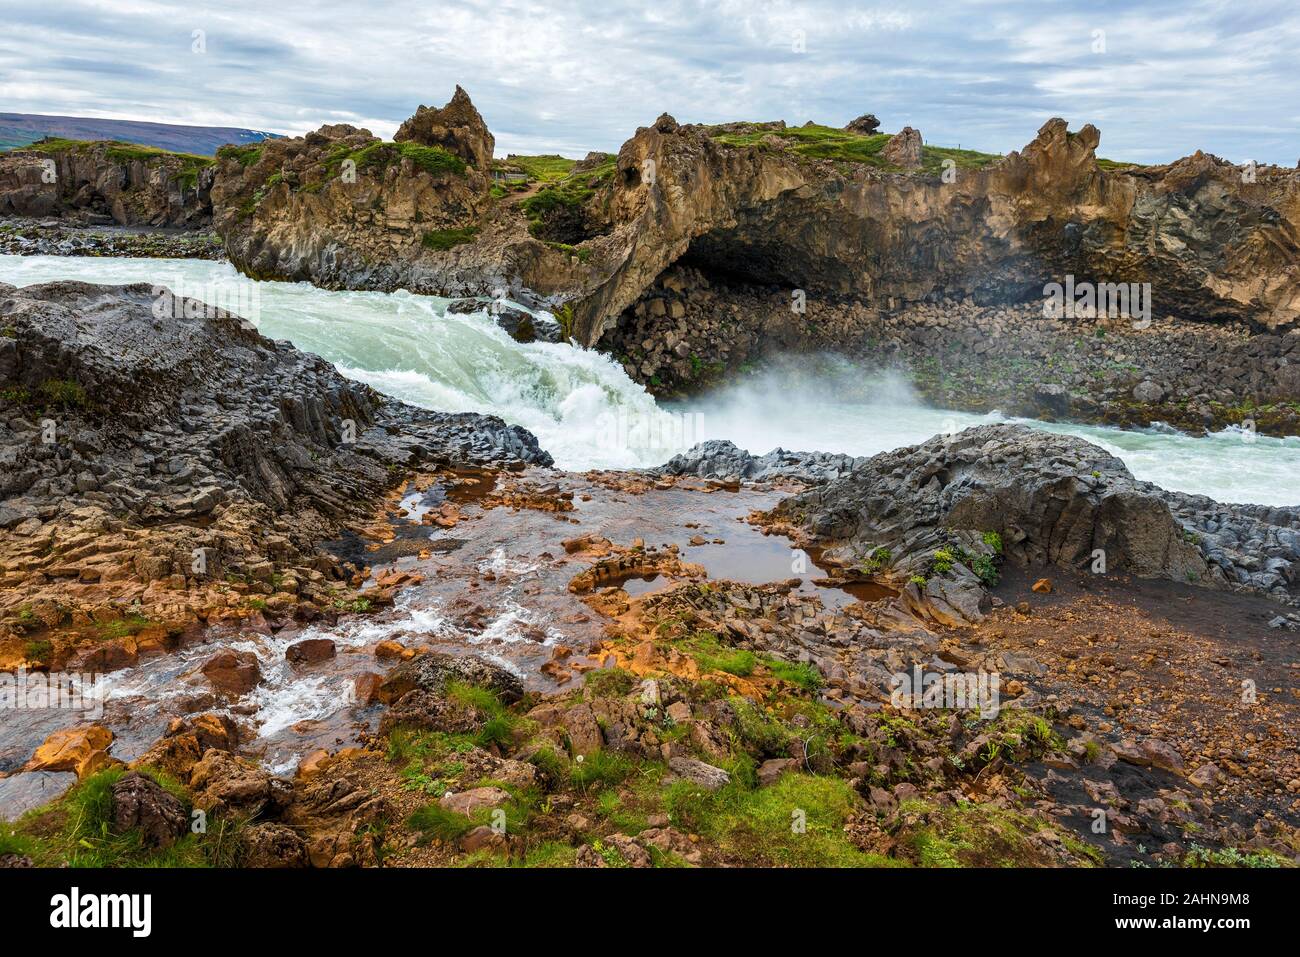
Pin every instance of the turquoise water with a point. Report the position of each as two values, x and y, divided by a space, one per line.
588 414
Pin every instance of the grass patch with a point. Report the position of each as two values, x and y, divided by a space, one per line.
983 835
377 157
123 628
799 673
566 197
40 651
1232 857
825 142
246 156
600 770
610 682
546 168
444 239
76 831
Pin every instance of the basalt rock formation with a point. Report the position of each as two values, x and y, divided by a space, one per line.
458 128
106 182
887 225
938 517
1211 245
152 447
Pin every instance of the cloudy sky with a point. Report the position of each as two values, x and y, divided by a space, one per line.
1160 78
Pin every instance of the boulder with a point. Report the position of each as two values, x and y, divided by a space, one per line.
222 782
697 772
310 651
903 149
866 124
432 672
83 750
233 673
138 801
473 800
272 845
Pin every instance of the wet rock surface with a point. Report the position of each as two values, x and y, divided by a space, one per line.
158 452
57 237
720 459
951 507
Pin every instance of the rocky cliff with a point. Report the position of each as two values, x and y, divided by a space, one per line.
858 216
106 182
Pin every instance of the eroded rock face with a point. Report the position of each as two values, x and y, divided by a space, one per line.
765 214
1052 499
342 209
458 128
904 149
997 234
106 182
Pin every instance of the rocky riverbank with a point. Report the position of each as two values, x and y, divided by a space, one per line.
58 237
698 252
165 466
514 664
692 331
716 722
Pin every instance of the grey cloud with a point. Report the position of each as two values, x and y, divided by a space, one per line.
1177 75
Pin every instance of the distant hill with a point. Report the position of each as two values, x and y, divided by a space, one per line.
19 129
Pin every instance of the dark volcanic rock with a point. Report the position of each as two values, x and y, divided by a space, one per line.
431 672
172 410
1053 499
720 459
140 802
865 124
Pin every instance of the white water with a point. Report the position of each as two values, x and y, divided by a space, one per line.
588 414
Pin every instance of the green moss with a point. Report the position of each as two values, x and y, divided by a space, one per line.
444 239
1107 164
824 142
41 651
609 682
879 558
797 822
984 835
246 156
379 156
123 628
798 673
353 605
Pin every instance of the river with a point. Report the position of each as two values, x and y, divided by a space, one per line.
588 414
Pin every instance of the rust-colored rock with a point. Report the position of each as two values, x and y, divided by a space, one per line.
233 672
83 750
